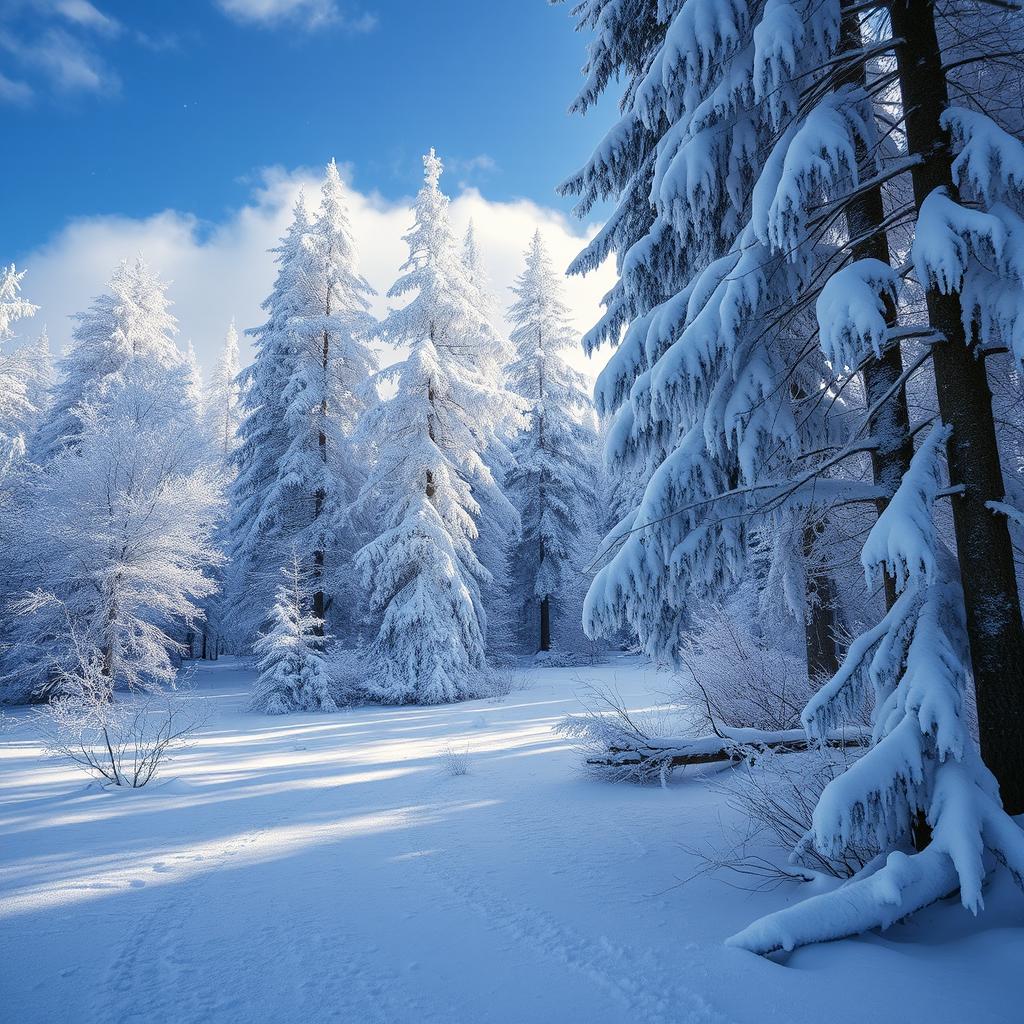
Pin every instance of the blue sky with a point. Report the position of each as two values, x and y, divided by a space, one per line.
131 107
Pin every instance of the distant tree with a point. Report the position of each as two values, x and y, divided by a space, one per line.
115 532
498 523
132 319
24 374
222 409
552 481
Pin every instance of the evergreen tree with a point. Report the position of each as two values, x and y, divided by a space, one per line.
422 571
293 674
256 551
223 398
551 483
498 523
298 471
12 306
710 363
23 374
132 319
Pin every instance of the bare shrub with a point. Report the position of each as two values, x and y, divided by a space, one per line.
455 762
769 840
121 742
501 682
730 677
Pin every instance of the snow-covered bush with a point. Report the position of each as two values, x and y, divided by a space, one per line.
502 681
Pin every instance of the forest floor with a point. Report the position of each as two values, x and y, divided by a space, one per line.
329 868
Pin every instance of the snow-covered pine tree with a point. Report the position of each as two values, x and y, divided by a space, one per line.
222 409
19 373
822 124
297 470
963 257
422 570
338 327
293 674
497 523
707 401
256 551
476 271
133 318
12 306
551 483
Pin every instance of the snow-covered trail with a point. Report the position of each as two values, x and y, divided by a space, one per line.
328 869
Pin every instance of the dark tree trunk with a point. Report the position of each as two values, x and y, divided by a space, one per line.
545 624
820 621
965 403
319 601
890 424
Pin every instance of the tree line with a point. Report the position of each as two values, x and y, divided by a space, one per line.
388 533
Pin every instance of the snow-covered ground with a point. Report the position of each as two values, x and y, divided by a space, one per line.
328 868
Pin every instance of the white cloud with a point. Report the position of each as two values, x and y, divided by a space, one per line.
309 13
64 60
83 13
224 271
18 93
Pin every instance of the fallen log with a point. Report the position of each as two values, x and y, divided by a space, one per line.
619 751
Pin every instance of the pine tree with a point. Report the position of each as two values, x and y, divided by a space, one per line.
132 319
22 374
498 523
813 152
293 674
422 571
551 484
708 403
223 398
298 470
12 306
255 525
339 326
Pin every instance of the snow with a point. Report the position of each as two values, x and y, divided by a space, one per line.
328 868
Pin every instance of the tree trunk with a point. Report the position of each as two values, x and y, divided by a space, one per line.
820 619
319 601
545 624
865 215
965 403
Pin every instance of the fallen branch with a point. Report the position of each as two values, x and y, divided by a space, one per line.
614 746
